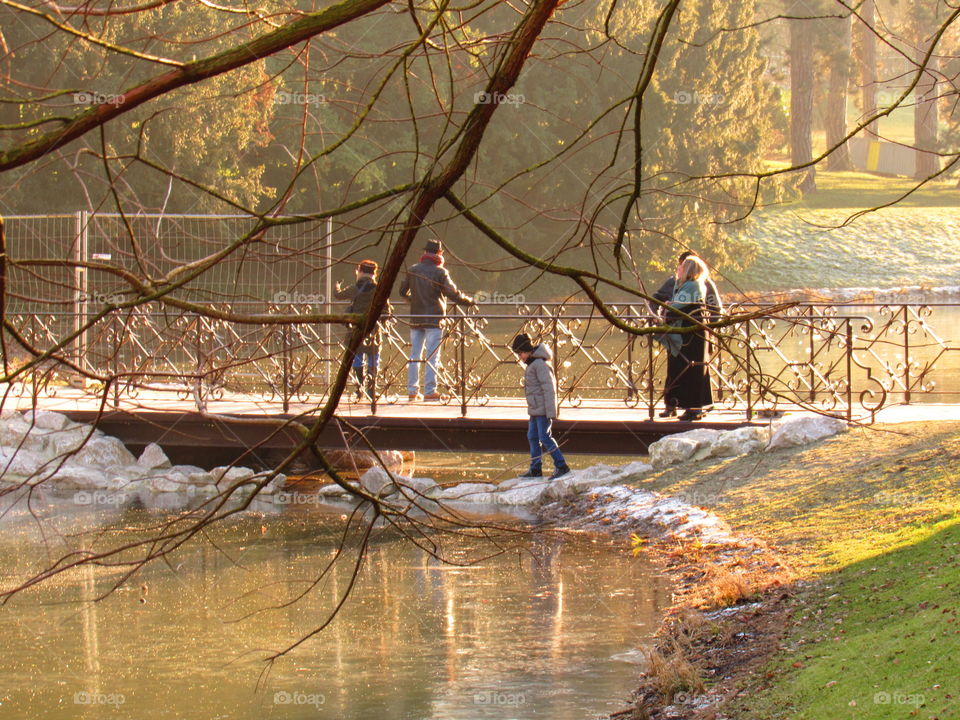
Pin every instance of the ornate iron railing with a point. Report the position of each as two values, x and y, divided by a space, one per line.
845 360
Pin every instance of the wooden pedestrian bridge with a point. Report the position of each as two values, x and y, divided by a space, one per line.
215 390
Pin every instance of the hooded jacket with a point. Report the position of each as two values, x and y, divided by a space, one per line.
360 296
428 287
539 384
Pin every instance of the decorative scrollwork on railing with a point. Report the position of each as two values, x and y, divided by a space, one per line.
839 359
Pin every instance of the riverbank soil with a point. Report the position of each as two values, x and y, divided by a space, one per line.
868 524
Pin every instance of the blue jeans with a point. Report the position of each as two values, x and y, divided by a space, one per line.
373 360
420 336
538 433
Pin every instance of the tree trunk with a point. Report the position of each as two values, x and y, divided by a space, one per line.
926 115
867 62
836 114
801 92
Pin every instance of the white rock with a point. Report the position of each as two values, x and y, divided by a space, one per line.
677 448
194 475
671 450
114 483
796 431
61 443
17 433
276 483
47 420
507 484
225 475
635 471
75 475
201 478
131 473
376 480
468 492
740 441
168 481
103 452
333 490
581 483
524 493
702 436
417 487
22 462
153 457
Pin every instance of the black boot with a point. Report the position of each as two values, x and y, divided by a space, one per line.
535 471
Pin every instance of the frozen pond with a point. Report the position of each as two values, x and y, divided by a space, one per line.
527 633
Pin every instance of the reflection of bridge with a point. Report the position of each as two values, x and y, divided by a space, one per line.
850 361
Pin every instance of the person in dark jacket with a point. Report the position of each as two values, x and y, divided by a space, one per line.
688 376
427 285
540 389
708 307
665 293
360 296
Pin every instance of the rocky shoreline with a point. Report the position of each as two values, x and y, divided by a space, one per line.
48 449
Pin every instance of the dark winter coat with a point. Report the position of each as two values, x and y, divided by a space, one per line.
360 296
688 373
428 287
539 384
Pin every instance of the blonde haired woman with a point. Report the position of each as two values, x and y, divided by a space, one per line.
688 377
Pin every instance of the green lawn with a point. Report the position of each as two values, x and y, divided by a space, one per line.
878 639
855 190
870 521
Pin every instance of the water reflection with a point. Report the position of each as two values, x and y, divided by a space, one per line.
527 633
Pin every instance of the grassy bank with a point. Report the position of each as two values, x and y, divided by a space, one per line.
869 521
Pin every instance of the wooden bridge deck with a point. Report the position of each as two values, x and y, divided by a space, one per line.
249 430
235 425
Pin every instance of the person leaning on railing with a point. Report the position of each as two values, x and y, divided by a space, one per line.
427 285
360 296
688 380
665 293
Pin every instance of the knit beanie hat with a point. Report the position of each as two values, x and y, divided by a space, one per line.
433 246
368 267
521 343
